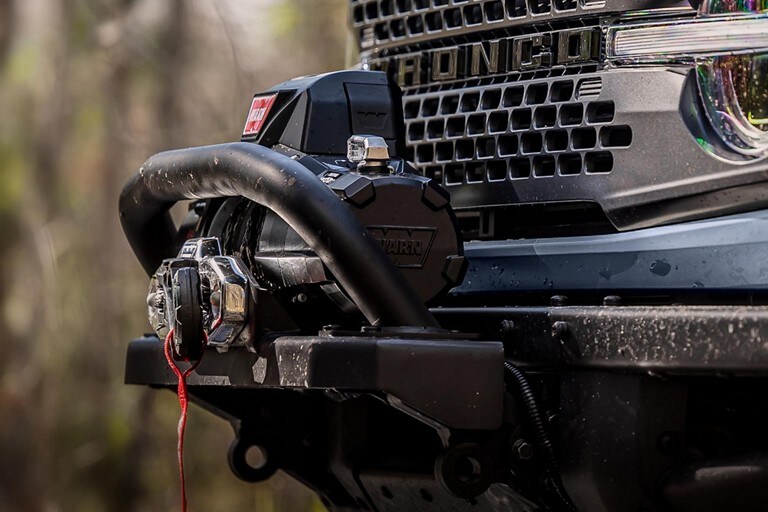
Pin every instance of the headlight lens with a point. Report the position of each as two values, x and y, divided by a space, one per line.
734 88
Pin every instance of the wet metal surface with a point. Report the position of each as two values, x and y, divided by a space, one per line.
700 339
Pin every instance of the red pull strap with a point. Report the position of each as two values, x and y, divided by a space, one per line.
183 404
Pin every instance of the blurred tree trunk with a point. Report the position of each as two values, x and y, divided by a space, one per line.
88 89
8 224
7 22
44 150
123 489
173 64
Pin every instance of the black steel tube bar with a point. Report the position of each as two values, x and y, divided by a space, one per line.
292 192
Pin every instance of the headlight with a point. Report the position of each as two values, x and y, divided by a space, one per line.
734 88
728 42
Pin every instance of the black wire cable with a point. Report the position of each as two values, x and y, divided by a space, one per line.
543 442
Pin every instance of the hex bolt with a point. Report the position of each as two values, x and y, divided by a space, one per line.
560 330
522 449
507 326
558 300
612 300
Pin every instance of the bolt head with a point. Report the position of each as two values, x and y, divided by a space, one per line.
558 300
523 450
560 330
507 326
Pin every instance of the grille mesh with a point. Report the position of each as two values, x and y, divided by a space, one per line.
514 131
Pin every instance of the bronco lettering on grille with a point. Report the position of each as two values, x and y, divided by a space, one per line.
513 54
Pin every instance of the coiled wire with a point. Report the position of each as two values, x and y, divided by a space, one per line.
524 392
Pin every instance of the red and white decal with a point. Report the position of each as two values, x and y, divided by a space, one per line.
258 113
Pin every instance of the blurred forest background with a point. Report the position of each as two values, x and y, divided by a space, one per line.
88 90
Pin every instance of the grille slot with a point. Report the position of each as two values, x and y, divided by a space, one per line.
497 170
429 107
521 119
599 162
455 126
601 112
415 132
425 153
539 6
571 115
561 91
531 143
536 94
583 138
476 125
491 99
435 129
508 145
486 147
498 122
569 164
556 140
449 104
543 166
519 168
546 116
513 96
470 101
616 136
494 11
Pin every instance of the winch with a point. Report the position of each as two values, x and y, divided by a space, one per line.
242 248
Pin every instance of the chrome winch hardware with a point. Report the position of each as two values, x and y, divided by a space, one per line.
200 291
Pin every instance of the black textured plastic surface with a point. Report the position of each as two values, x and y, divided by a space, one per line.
317 114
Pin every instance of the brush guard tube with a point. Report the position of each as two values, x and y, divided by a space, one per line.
291 191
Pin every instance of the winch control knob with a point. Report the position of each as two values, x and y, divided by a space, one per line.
368 151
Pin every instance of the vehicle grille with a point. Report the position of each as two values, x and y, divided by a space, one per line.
551 136
512 126
383 23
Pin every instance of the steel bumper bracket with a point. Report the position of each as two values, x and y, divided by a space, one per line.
457 383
